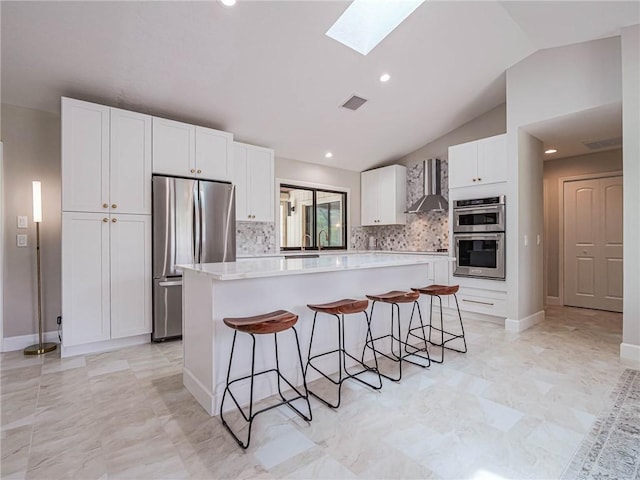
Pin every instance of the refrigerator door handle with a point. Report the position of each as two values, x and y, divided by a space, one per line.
197 216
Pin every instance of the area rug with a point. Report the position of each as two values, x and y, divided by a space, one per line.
612 448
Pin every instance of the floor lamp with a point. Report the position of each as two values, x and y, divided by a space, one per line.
41 347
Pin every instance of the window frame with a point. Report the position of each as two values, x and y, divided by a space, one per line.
314 188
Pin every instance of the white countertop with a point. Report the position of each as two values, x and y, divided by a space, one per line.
277 266
285 253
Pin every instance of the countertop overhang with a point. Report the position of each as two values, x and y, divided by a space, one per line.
278 266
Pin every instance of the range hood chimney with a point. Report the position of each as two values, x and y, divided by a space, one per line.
432 199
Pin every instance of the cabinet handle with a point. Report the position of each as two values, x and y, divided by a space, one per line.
193 170
475 179
105 205
105 219
114 220
115 205
476 301
199 171
479 179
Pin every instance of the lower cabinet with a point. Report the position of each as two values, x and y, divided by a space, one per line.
488 302
106 277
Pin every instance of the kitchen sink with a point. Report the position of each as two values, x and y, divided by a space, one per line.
287 257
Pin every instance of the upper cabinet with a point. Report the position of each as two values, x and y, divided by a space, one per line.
254 179
478 163
384 196
186 150
106 159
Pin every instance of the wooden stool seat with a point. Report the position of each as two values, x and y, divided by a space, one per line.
272 322
438 289
344 306
395 296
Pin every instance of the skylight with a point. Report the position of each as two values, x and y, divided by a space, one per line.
365 23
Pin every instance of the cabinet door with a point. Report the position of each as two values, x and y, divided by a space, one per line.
130 249
213 154
260 166
463 165
85 156
85 278
492 160
240 179
392 195
130 166
369 197
174 148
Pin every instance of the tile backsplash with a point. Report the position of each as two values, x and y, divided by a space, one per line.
255 238
424 231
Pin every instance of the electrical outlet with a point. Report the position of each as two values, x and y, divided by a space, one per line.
21 240
22 221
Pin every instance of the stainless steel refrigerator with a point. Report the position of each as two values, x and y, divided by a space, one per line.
193 222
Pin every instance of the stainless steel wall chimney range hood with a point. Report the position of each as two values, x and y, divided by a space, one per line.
432 199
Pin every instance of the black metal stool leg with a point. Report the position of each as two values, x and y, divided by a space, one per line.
464 338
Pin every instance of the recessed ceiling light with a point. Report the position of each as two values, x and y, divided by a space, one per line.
551 150
385 77
365 23
328 155
228 3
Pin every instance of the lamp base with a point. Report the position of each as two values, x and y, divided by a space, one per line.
39 349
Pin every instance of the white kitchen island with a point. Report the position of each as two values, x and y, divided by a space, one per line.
248 287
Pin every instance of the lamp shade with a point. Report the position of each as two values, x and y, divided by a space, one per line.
37 202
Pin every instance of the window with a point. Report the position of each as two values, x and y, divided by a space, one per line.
312 218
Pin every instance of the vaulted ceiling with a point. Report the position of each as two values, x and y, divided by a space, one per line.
267 72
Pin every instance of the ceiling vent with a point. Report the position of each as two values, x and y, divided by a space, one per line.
354 103
600 144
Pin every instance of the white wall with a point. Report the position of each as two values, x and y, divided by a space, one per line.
31 152
631 163
486 125
548 84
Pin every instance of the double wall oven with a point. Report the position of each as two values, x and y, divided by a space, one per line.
479 237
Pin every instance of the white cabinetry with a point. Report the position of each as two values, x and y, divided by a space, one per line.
255 183
478 163
384 196
186 150
488 302
107 159
106 276
106 227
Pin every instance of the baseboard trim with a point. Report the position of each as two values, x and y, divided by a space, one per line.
202 395
630 352
20 342
516 326
554 301
104 346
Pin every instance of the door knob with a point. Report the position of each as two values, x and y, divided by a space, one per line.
584 252
114 205
475 179
105 220
105 205
199 171
114 220
193 170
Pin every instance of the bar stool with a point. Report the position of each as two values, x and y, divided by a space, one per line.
273 322
439 291
339 309
395 298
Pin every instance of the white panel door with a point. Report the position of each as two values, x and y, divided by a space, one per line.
174 148
241 181
213 154
492 160
85 278
85 156
369 198
593 243
130 275
463 165
130 166
260 165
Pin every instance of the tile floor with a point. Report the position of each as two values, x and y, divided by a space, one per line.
515 406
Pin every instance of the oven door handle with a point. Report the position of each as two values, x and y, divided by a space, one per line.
472 210
477 236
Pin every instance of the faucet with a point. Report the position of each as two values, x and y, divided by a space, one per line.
304 237
326 237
